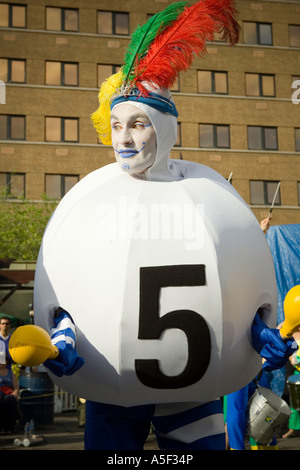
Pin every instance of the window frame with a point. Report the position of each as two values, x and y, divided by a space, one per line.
113 22
62 73
294 26
10 15
63 19
62 183
9 69
263 138
62 119
260 84
9 118
266 201
7 193
258 33
213 74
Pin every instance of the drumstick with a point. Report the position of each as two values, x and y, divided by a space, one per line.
30 345
274 199
291 308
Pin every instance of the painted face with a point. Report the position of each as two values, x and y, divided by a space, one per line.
133 139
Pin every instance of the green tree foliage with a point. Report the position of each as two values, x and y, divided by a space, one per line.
22 224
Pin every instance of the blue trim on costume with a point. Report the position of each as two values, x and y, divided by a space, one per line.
169 423
214 442
153 99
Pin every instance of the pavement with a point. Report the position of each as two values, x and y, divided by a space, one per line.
65 434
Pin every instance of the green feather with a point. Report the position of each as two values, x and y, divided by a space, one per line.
144 35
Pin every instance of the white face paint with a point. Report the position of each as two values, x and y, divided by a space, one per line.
133 139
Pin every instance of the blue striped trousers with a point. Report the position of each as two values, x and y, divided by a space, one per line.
178 426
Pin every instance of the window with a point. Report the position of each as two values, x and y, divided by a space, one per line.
12 16
12 185
61 19
263 192
258 33
214 136
61 129
262 138
56 186
298 185
297 139
212 82
61 73
260 84
12 127
12 70
111 22
294 31
104 71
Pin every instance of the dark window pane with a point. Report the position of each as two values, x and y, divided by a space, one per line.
250 34
18 16
206 135
105 22
70 74
204 81
252 84
257 192
70 181
53 186
254 138
270 139
17 130
53 73
4 70
18 71
3 127
297 140
3 184
4 15
71 20
71 130
268 85
222 136
53 19
104 71
265 34
17 185
122 23
221 83
271 189
53 129
294 35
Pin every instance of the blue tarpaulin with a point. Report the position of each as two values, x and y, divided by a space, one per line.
284 243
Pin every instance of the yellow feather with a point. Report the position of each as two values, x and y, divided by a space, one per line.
101 117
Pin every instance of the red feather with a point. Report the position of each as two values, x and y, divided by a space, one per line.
174 50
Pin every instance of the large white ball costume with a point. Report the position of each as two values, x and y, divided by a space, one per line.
163 307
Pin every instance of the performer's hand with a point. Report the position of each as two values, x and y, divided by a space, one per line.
270 346
64 338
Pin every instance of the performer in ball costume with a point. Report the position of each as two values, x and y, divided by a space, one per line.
113 290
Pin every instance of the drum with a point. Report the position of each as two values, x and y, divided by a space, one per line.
267 415
293 385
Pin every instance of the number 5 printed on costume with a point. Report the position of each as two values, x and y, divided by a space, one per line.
152 326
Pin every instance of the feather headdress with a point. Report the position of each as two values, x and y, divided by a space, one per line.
163 47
